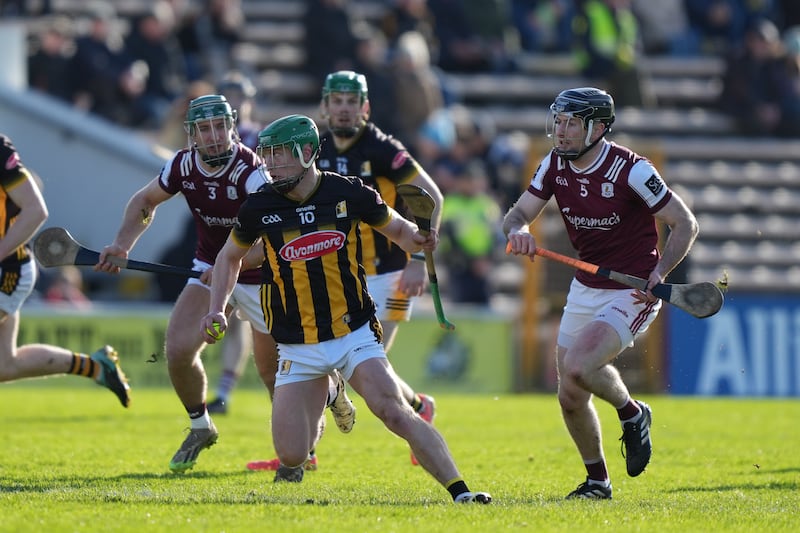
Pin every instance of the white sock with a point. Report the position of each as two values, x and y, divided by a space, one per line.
331 390
203 422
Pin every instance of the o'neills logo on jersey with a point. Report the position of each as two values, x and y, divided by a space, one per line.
313 245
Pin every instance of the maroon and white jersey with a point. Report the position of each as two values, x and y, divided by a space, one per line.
607 209
214 198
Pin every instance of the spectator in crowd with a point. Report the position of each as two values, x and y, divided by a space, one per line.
665 28
721 24
789 13
186 15
372 60
506 159
753 80
153 41
490 21
102 79
220 29
329 42
449 141
417 87
409 15
19 8
48 62
208 35
790 94
434 142
471 221
172 134
461 48
66 289
607 49
543 25
241 93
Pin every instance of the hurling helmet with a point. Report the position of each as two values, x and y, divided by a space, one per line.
290 134
203 113
345 81
590 105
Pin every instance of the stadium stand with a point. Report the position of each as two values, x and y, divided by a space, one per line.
744 191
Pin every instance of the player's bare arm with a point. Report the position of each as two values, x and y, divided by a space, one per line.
33 213
226 271
407 235
254 259
424 180
255 256
683 231
414 279
138 216
516 224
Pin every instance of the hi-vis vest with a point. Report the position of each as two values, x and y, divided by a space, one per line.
611 35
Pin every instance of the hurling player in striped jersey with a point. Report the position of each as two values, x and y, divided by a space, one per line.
22 212
214 175
316 300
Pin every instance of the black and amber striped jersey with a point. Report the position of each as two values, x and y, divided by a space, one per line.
12 173
382 162
315 286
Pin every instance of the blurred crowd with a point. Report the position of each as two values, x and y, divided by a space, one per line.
140 71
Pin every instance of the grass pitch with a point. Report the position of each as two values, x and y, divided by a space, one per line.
72 459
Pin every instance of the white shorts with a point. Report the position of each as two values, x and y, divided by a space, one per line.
613 306
304 362
392 304
246 299
20 286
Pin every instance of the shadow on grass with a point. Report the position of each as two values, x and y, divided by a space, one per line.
222 488
47 484
769 485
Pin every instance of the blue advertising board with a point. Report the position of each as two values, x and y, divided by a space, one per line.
750 348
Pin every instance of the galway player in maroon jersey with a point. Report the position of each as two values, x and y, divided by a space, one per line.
317 302
214 175
610 199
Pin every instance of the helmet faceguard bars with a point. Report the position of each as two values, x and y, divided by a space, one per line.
588 104
202 118
346 81
288 135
